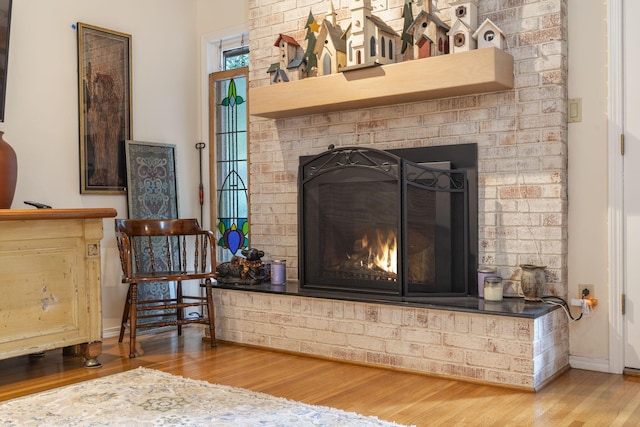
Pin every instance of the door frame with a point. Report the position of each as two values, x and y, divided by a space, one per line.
616 189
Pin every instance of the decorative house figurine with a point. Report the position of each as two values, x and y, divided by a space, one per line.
369 40
278 75
489 35
464 21
330 48
429 34
291 60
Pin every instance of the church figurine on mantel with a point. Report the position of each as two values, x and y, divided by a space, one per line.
370 41
330 48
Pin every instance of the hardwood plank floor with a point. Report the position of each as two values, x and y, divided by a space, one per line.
577 398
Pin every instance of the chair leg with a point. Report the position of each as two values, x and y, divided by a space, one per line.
210 312
133 319
179 309
125 314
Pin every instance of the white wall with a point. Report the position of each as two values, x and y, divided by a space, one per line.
588 183
41 119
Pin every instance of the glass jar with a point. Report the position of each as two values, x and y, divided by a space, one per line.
493 288
278 272
483 273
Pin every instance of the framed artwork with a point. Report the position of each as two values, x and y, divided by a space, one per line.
104 91
151 180
151 194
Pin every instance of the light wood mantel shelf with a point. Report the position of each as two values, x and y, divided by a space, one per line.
465 73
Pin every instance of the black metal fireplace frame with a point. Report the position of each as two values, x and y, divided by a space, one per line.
406 167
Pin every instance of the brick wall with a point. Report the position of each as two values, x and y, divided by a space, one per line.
521 136
512 351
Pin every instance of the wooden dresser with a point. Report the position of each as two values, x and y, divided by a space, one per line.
50 295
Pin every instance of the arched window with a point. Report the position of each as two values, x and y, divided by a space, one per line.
372 44
350 51
440 47
390 49
359 57
326 65
382 48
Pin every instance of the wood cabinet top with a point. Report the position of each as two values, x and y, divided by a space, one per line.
47 214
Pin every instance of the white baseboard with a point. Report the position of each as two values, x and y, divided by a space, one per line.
589 364
115 330
111 332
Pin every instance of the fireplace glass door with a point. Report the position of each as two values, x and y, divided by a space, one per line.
377 224
351 228
435 230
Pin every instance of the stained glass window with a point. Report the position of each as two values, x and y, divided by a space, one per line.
231 161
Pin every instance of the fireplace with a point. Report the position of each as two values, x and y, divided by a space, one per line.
397 224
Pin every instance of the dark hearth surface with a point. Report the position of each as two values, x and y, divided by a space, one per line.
509 306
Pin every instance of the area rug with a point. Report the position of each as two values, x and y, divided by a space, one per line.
146 397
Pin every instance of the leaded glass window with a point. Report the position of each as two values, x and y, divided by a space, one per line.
231 155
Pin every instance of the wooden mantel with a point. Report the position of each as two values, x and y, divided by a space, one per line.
465 73
50 281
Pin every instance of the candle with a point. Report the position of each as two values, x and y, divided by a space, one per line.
493 289
278 272
482 274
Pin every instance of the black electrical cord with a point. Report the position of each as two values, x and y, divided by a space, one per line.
563 303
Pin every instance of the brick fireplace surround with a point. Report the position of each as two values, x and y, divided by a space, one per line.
522 159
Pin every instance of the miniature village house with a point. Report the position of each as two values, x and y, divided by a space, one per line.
369 40
429 34
291 64
489 35
464 21
330 47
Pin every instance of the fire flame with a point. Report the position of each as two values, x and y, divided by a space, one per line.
384 252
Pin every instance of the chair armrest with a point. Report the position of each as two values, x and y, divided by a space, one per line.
124 250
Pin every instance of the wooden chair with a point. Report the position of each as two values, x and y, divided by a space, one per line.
158 250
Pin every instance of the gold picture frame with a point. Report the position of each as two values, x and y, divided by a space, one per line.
104 91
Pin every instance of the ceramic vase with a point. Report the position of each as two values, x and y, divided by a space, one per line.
8 173
532 281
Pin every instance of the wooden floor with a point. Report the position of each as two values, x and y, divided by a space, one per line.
577 398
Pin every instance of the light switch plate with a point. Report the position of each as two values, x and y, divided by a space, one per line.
574 110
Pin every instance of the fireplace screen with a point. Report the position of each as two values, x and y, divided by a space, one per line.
372 222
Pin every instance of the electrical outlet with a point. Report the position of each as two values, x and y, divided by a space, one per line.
589 288
586 308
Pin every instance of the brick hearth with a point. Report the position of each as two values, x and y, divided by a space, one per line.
512 349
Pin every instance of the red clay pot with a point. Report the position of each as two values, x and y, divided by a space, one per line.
8 173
